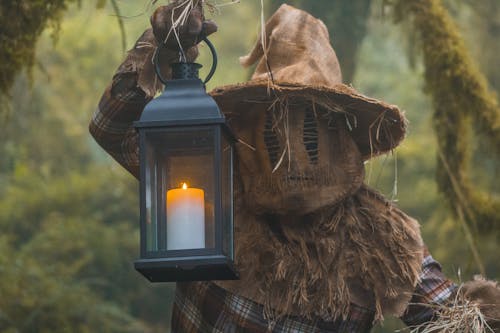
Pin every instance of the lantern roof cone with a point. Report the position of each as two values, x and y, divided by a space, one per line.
183 102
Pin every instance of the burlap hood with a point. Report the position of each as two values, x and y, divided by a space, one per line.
300 63
356 248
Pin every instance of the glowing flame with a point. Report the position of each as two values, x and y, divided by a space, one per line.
184 186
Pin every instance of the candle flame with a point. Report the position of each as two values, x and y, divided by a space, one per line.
184 186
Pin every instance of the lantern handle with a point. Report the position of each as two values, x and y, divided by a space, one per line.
203 37
214 58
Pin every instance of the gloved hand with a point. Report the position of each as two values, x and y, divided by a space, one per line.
137 71
487 295
165 19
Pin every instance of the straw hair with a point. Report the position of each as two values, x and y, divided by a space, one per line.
474 308
460 317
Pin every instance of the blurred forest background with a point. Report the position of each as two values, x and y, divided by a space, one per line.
69 214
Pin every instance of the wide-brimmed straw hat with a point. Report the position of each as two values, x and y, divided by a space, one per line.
299 65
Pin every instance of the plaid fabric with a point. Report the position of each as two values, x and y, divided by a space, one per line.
433 289
203 307
111 125
206 308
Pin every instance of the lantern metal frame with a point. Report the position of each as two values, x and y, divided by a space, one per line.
185 104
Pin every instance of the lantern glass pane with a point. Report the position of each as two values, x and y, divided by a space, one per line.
227 195
181 189
150 197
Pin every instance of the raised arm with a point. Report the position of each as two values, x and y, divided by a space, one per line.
122 103
135 84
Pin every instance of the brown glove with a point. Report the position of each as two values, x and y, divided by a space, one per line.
189 33
487 295
138 69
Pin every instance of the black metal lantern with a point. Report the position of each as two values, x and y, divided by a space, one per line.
186 156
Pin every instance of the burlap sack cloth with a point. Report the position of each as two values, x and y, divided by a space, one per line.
343 243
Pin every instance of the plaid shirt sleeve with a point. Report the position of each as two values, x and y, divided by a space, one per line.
111 125
123 102
433 289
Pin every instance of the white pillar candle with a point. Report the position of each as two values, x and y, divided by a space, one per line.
185 218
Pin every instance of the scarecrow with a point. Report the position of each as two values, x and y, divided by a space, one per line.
316 248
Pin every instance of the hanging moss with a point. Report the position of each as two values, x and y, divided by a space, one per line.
462 103
23 22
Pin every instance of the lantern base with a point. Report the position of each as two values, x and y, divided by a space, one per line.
187 269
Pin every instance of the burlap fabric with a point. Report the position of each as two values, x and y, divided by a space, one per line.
311 239
362 250
300 63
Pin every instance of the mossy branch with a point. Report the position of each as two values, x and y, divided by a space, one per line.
23 23
462 103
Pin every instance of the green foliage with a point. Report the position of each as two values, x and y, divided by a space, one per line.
479 22
383 71
462 102
231 41
22 23
43 290
67 253
68 213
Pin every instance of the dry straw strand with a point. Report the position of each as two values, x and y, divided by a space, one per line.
187 6
462 316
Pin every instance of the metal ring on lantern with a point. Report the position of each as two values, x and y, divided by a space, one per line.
156 60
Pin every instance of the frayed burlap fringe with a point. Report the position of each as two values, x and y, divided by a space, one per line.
363 251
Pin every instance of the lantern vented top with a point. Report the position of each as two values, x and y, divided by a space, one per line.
185 71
